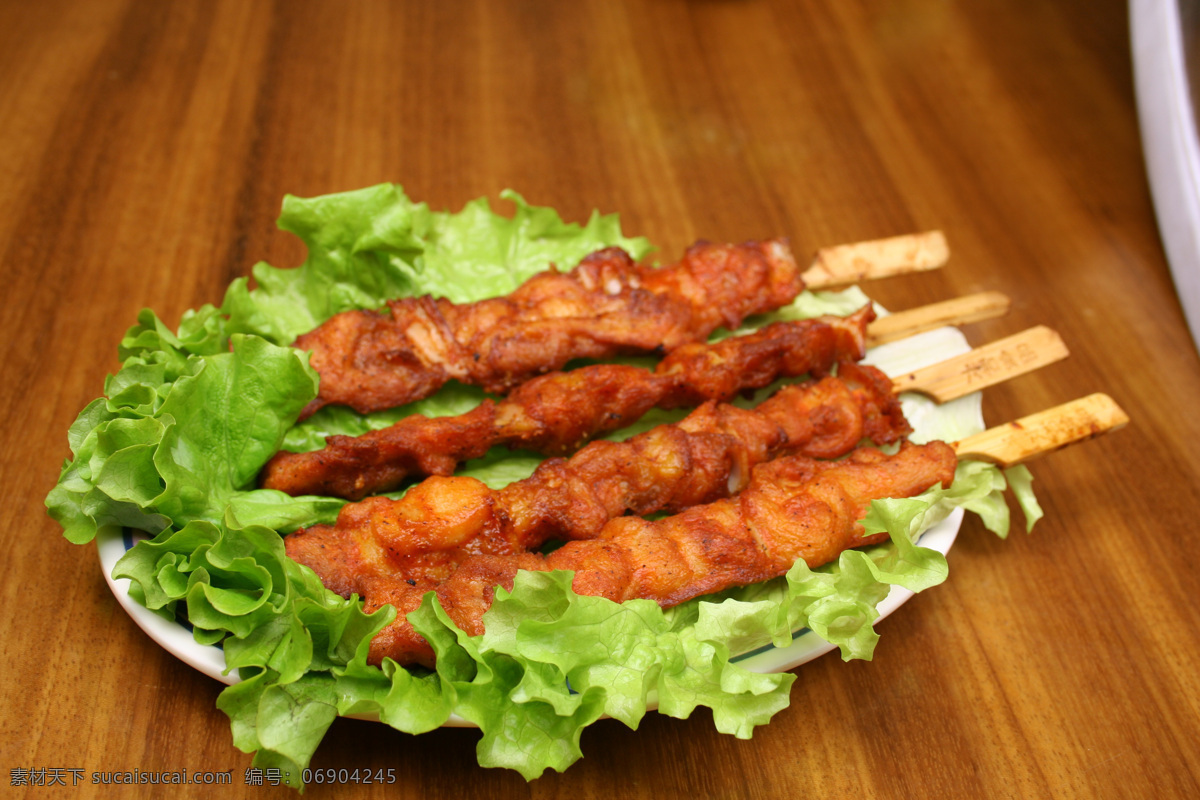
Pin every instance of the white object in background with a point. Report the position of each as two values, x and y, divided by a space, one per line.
1169 137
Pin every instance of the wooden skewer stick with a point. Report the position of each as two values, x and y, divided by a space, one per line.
847 264
985 366
1044 432
957 311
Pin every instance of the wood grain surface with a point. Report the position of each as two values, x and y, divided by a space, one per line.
144 152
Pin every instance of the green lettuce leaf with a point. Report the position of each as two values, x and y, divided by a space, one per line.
174 446
373 244
182 436
550 662
185 424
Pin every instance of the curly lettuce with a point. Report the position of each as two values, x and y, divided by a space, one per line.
183 428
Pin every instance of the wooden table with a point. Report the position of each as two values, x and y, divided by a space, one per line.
147 146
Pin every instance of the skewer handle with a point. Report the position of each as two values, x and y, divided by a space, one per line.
956 311
881 258
985 366
1044 432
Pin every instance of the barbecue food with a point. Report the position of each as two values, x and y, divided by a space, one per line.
556 414
793 508
606 306
423 536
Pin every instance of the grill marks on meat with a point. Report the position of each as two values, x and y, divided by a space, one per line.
606 306
556 414
793 508
710 454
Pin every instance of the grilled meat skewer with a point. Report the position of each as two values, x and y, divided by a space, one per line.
558 413
606 306
706 456
793 508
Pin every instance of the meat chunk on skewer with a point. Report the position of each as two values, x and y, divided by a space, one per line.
793 508
706 456
558 413
606 306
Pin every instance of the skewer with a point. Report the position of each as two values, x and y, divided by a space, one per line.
846 264
1006 445
985 366
1044 432
607 479
956 311
371 359
726 557
379 461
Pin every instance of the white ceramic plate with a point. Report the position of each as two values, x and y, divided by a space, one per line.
950 421
1161 32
